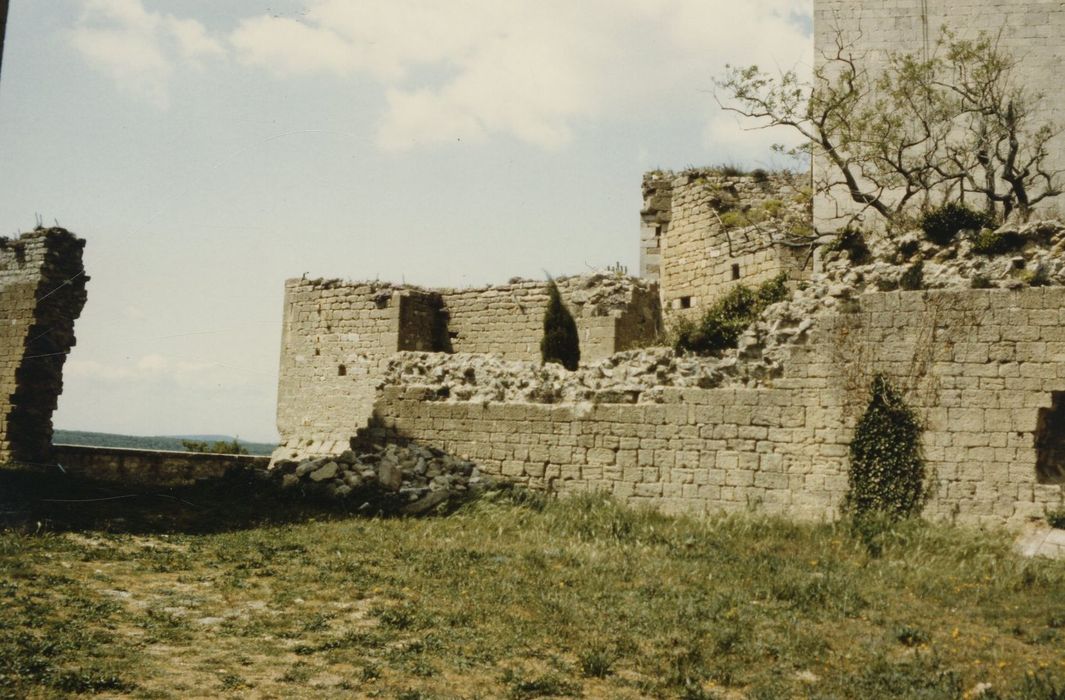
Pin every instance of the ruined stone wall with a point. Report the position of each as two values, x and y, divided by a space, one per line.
1032 30
722 230
612 314
42 292
337 337
985 368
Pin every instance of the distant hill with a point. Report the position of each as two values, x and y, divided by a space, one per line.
154 442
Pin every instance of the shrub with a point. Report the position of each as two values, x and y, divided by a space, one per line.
980 280
887 469
943 224
909 247
760 175
722 324
560 343
913 278
1039 277
1056 518
852 242
221 447
989 242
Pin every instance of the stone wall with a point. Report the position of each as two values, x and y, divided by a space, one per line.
337 337
985 368
1032 30
42 292
706 232
150 467
612 314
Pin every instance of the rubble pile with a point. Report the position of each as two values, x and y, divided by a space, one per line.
389 479
639 375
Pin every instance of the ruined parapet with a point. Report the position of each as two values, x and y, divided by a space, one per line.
338 337
42 292
613 313
714 230
654 221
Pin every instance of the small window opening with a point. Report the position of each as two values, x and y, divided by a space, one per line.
1050 441
342 371
658 232
317 352
685 302
735 271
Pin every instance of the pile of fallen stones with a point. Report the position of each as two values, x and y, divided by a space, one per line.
388 479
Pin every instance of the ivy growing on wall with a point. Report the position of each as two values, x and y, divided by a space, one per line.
887 469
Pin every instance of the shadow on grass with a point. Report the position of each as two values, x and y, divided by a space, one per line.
242 499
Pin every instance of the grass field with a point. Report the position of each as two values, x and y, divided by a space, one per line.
229 591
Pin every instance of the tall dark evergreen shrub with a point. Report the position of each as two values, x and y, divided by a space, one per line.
887 471
560 343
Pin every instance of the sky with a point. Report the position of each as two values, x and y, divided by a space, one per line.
207 151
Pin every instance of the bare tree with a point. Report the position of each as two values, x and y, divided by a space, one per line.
922 130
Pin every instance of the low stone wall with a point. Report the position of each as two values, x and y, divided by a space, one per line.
149 467
699 451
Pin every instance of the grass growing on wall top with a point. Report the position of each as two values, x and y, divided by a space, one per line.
721 325
521 597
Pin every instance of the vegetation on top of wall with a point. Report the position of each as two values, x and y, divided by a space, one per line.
990 242
218 447
721 325
887 469
942 225
561 343
913 277
851 241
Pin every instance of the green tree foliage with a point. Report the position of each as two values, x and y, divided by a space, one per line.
942 224
887 469
721 325
561 344
221 447
923 128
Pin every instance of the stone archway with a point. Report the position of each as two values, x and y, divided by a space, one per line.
1050 442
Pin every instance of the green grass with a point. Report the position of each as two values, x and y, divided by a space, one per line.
513 596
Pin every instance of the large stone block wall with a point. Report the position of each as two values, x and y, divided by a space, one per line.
509 319
984 368
337 338
703 232
42 292
1032 30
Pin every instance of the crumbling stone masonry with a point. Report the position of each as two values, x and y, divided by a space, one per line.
984 368
42 292
703 232
337 338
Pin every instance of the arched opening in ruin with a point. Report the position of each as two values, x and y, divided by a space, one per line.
1050 441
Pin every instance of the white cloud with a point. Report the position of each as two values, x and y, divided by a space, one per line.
139 49
154 368
531 71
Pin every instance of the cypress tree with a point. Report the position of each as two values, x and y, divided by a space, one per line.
560 343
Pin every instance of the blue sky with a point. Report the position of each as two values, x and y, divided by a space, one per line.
208 151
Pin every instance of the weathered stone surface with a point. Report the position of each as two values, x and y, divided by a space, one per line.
42 292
